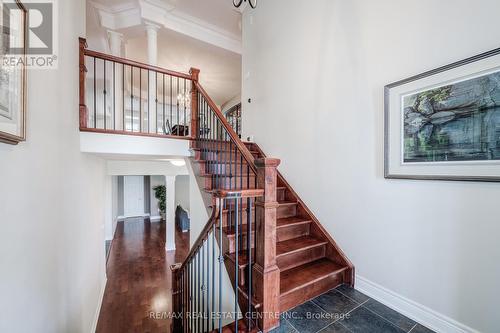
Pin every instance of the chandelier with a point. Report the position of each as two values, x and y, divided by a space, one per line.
237 3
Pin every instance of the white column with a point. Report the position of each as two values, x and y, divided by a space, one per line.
170 214
116 45
115 42
152 35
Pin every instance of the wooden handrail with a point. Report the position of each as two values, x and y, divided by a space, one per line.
137 64
203 234
251 193
234 137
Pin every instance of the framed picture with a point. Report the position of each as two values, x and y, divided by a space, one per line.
445 124
12 73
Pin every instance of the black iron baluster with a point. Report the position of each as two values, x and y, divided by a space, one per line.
221 260
141 118
191 296
104 95
131 98
156 102
249 257
149 104
163 120
114 95
123 96
202 287
212 308
171 107
207 282
184 101
178 123
95 101
236 270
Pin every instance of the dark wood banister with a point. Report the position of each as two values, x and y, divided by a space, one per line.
137 64
234 137
251 193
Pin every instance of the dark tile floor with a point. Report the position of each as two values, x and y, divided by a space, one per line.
346 310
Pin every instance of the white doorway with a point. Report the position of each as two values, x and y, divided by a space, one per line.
133 196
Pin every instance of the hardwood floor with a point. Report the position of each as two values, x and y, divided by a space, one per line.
138 294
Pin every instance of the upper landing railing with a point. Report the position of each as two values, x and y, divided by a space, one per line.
122 96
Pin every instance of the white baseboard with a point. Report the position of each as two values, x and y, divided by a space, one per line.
123 217
155 218
413 310
99 304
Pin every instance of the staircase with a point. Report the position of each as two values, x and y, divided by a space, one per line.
309 261
260 233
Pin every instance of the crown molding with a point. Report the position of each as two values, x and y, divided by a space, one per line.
143 12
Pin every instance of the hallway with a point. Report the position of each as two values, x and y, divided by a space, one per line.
139 278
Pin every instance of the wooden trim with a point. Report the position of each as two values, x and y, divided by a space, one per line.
14 139
267 274
234 137
137 64
251 193
154 135
83 74
195 74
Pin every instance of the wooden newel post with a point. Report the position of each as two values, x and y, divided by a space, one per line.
83 74
266 271
195 73
176 301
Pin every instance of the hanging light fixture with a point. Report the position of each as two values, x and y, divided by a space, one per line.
237 3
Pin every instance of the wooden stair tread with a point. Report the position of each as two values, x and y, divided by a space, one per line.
306 274
297 244
287 203
282 248
294 220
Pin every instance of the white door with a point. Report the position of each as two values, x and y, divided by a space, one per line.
133 195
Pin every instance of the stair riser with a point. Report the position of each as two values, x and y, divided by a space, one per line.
286 233
242 243
281 194
310 291
292 231
300 257
226 217
286 211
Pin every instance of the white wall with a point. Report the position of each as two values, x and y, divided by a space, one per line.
316 78
155 181
133 145
52 204
182 192
132 168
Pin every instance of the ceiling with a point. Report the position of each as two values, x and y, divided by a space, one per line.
220 70
220 13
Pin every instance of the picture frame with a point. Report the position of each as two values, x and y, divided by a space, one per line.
13 76
444 124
